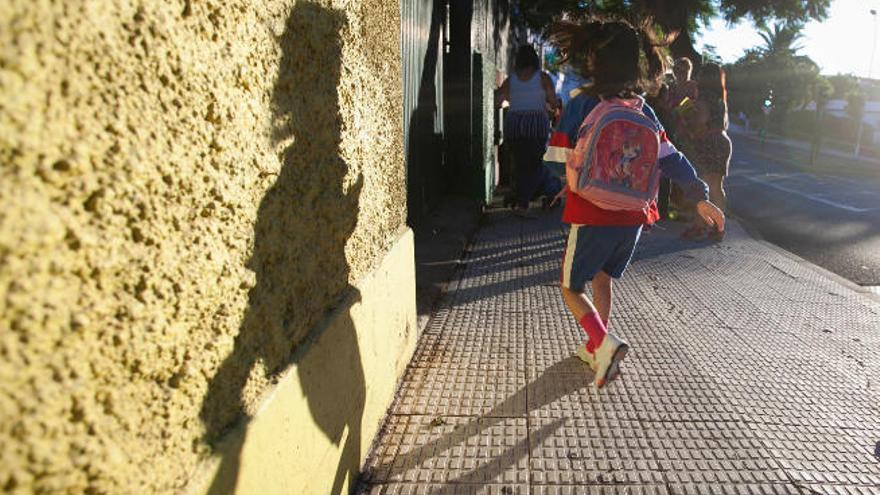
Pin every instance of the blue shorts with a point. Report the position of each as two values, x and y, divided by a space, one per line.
590 249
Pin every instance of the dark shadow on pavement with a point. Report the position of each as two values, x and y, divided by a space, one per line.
547 381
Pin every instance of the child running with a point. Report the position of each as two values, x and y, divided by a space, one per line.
601 241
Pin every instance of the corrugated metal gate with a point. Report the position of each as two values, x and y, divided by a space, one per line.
454 54
423 34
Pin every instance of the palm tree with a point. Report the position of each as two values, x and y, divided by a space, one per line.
780 43
677 16
775 66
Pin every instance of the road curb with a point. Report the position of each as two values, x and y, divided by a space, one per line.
849 284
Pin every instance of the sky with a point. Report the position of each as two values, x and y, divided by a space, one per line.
840 44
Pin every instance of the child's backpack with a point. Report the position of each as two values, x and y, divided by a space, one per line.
614 164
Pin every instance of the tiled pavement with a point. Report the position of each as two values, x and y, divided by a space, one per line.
749 373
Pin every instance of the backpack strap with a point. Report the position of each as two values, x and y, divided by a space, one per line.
636 103
605 104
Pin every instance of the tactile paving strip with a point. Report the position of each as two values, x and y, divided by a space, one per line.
826 454
729 489
748 374
599 490
463 392
593 451
713 453
451 450
440 489
484 340
687 398
839 489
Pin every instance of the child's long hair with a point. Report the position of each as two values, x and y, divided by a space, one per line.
609 52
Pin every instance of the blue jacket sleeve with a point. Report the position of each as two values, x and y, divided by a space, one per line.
678 169
574 114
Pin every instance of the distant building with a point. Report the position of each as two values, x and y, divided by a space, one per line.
837 108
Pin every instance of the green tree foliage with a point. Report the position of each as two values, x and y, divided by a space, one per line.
683 16
794 79
761 11
822 91
781 42
846 87
822 125
710 54
842 85
855 105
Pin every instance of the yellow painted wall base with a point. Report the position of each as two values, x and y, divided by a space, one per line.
313 431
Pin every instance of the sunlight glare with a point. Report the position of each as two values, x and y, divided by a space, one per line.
840 44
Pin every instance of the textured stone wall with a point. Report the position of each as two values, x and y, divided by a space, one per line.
187 186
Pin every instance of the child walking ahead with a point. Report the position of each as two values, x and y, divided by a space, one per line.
606 227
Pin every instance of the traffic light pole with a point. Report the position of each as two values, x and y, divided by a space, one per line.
858 148
766 109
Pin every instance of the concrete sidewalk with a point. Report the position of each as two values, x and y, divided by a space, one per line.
750 372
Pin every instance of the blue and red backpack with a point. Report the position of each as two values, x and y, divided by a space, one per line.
614 164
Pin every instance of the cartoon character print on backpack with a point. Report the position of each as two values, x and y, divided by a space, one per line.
634 171
622 160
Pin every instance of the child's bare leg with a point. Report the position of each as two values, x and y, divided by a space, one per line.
602 293
602 357
717 194
578 303
587 316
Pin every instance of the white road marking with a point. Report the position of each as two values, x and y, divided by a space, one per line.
808 196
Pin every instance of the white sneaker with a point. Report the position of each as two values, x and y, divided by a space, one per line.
586 356
607 358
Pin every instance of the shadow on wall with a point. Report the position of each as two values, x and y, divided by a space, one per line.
302 225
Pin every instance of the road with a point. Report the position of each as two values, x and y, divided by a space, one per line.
826 215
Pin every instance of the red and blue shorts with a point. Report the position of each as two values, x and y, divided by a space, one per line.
593 248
